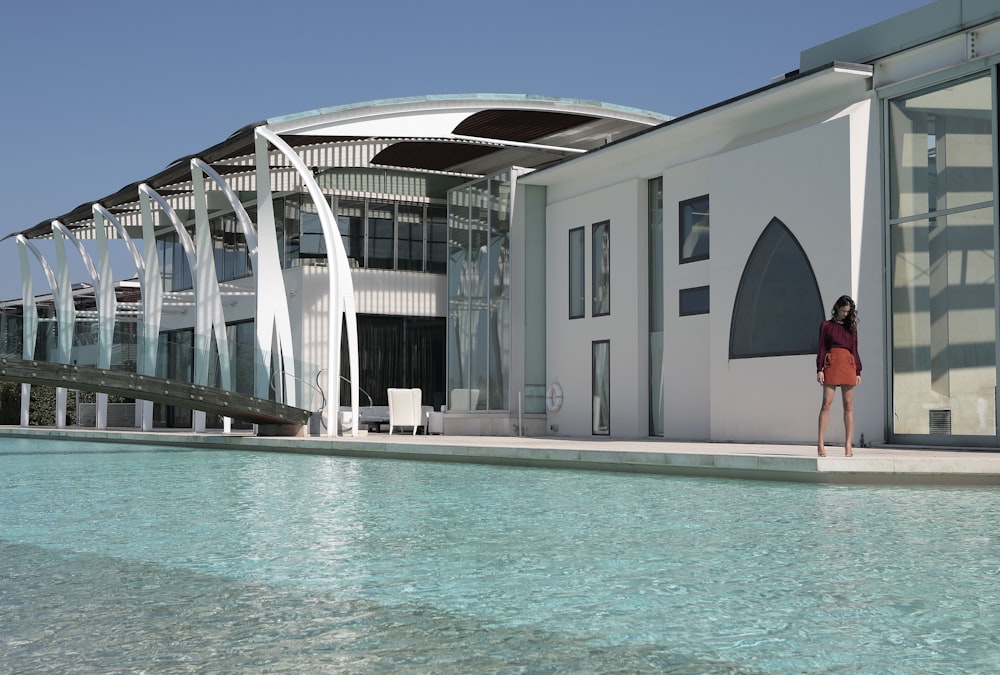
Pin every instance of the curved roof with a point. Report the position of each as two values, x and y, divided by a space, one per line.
462 135
368 108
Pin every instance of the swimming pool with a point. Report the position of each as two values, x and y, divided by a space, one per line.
129 558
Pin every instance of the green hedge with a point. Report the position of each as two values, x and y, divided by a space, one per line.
42 411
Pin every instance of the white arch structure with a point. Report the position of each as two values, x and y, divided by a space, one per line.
269 284
208 298
62 291
104 295
341 287
102 216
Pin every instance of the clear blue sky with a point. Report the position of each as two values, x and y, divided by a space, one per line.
100 94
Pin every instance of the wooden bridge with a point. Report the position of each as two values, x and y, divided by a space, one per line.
159 390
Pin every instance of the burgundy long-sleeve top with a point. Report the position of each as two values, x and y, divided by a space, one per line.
833 334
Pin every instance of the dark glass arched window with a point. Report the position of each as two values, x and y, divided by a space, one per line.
778 306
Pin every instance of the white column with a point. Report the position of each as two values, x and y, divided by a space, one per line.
65 317
208 279
104 295
208 297
272 296
65 313
102 216
29 324
269 282
152 305
341 302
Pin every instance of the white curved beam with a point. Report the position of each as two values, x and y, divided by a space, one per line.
104 296
29 321
208 297
102 213
341 302
272 298
269 288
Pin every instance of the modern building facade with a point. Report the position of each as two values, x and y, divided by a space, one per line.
550 266
690 265
320 243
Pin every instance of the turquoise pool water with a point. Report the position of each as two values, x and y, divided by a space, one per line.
123 558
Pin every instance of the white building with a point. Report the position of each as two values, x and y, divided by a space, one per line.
656 277
871 171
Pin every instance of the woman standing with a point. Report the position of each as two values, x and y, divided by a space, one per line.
838 365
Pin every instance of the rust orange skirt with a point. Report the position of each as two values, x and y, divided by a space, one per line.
839 368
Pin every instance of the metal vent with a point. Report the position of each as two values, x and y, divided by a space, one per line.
940 421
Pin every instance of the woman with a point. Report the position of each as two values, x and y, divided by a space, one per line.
838 365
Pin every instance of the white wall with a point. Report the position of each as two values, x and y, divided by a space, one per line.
568 342
686 354
820 178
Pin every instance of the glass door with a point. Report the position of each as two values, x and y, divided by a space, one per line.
943 284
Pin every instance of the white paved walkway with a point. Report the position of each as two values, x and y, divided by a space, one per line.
891 465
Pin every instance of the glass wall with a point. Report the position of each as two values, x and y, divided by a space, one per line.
174 268
397 351
943 264
375 234
479 294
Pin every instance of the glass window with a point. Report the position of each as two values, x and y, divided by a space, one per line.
577 273
312 244
942 151
410 247
289 208
693 219
942 250
601 268
499 294
242 341
351 223
381 233
654 242
437 239
694 301
600 368
479 321
459 300
778 306
943 324
183 279
165 252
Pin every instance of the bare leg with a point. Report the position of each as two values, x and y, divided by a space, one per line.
824 417
847 395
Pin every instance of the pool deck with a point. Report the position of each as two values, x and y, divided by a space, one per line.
760 461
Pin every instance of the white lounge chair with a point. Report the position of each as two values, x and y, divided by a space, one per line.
404 408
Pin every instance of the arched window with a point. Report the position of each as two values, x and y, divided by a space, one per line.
778 306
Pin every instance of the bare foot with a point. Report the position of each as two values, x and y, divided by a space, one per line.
821 452
848 452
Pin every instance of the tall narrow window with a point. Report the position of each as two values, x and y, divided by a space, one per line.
600 368
600 247
381 236
577 272
312 243
410 245
654 206
693 219
437 239
941 146
351 223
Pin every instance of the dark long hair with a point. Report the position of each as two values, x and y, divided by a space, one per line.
851 320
